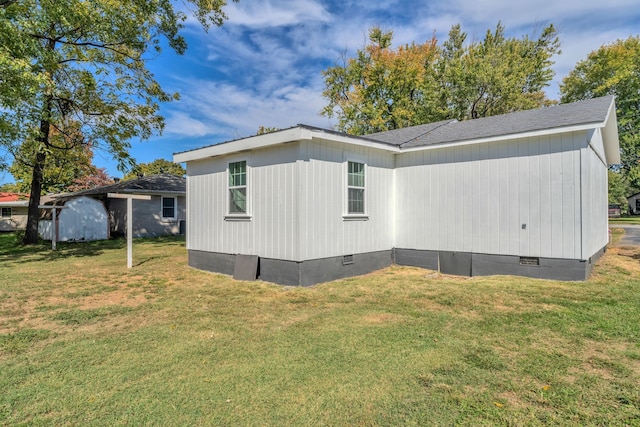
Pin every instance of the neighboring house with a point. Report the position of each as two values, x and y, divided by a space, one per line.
634 204
523 193
615 211
13 211
164 214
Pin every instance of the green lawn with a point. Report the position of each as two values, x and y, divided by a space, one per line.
625 220
84 341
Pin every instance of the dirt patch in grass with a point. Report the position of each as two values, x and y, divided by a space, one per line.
121 297
36 312
383 318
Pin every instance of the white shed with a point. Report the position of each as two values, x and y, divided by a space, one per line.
523 193
82 219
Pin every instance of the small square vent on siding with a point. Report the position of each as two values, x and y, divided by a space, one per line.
347 259
528 260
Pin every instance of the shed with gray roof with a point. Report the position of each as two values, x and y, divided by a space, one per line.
522 193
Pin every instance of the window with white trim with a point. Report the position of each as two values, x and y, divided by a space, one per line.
238 187
6 212
169 207
355 188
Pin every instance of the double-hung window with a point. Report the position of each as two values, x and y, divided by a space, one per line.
238 187
168 207
6 212
355 188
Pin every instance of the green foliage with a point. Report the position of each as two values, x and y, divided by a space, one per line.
383 89
614 69
75 71
618 190
497 75
155 167
266 129
61 169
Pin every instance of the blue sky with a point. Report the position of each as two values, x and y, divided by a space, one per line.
263 67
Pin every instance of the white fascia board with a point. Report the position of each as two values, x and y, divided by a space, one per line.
15 204
245 144
275 138
610 136
506 137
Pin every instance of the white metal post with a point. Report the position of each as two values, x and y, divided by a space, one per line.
129 198
129 232
54 230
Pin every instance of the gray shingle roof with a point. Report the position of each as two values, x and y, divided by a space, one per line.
159 183
562 115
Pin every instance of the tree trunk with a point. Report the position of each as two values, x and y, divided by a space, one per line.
31 234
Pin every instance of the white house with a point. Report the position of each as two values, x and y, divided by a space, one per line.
13 211
634 204
523 193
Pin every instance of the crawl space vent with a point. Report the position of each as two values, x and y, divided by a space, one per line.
527 260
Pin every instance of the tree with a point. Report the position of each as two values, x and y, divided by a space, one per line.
266 129
62 166
382 89
497 75
79 68
614 69
97 178
157 166
618 190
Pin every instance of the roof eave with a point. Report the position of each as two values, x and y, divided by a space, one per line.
15 204
505 137
133 191
610 136
246 144
300 133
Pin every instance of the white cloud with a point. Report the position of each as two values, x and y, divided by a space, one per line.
182 124
275 13
208 108
526 12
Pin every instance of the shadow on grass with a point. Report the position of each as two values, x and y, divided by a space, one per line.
630 252
12 250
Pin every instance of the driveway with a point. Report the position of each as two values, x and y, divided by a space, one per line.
631 234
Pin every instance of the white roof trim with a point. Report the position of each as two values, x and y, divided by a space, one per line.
246 144
15 204
506 137
301 133
610 136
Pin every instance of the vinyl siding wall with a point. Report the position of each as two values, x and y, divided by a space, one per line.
542 196
594 197
297 198
272 188
147 216
17 221
324 229
515 197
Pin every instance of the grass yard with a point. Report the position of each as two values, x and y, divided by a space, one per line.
625 220
84 341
